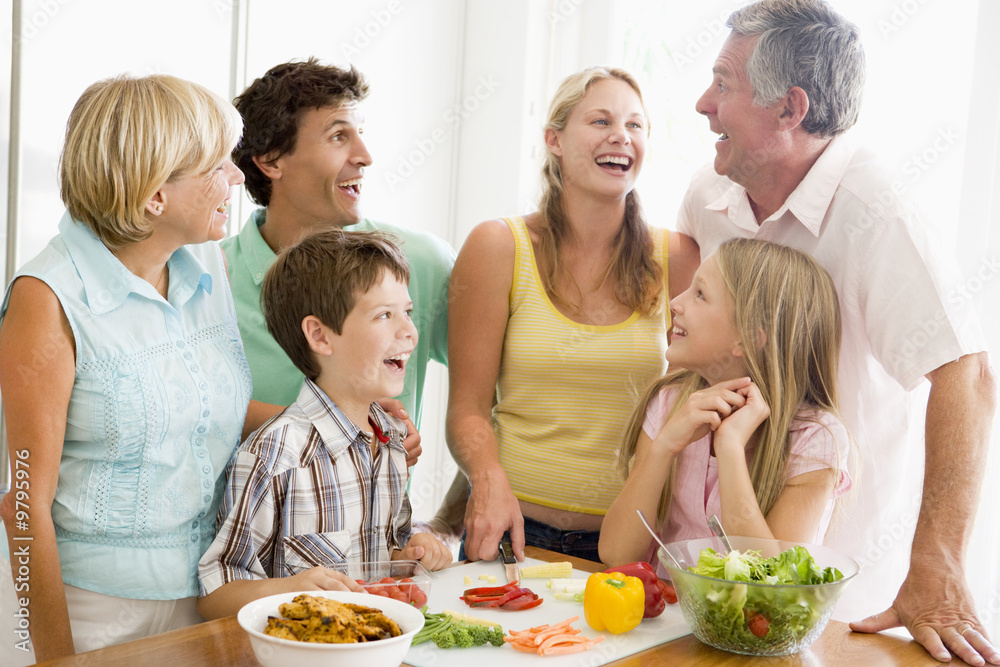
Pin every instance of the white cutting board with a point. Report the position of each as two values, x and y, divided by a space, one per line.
449 584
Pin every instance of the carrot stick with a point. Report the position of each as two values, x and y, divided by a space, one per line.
562 639
519 640
562 632
554 639
571 648
524 647
555 629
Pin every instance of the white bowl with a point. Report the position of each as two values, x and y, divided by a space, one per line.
277 652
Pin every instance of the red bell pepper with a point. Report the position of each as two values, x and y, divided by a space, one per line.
669 594
657 591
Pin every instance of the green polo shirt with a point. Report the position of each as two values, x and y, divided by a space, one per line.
275 377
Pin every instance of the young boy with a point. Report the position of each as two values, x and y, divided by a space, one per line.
323 482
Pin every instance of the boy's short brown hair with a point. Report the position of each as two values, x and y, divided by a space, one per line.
323 276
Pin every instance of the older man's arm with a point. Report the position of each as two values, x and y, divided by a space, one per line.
935 603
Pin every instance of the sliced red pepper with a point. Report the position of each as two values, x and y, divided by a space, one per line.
479 604
523 602
491 591
516 599
514 594
476 600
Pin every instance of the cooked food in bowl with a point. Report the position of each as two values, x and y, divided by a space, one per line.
766 597
312 619
272 651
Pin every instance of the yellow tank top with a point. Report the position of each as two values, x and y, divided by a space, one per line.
566 390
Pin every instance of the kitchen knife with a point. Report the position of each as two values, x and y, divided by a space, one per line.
507 556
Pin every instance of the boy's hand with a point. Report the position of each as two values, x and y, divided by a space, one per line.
429 550
322 579
412 440
701 413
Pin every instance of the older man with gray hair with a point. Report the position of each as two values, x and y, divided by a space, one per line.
786 87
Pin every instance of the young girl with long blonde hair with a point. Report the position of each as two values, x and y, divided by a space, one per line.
744 424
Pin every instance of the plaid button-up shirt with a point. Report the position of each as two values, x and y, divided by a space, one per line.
305 490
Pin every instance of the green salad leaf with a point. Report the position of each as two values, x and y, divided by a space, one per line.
760 616
795 566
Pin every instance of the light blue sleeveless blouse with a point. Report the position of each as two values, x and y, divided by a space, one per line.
157 408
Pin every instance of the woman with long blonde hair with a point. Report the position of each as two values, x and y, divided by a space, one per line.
553 318
745 423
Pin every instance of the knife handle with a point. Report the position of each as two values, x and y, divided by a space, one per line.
506 550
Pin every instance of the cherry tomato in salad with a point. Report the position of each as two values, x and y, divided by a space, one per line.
758 624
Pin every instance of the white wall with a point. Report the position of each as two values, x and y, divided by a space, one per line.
68 45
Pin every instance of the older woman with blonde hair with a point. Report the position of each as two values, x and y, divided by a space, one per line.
556 319
124 381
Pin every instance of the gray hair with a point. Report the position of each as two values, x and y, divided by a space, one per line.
805 43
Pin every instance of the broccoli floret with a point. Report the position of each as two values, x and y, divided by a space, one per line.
457 634
496 636
480 634
463 638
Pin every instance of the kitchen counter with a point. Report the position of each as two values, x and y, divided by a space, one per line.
222 643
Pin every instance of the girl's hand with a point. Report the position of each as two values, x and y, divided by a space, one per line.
704 411
741 423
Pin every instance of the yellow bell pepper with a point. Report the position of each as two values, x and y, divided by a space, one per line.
613 601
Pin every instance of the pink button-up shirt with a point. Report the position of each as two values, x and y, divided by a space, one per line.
818 440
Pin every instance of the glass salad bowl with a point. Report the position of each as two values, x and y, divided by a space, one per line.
731 611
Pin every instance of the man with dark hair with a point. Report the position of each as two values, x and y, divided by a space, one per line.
304 159
787 85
